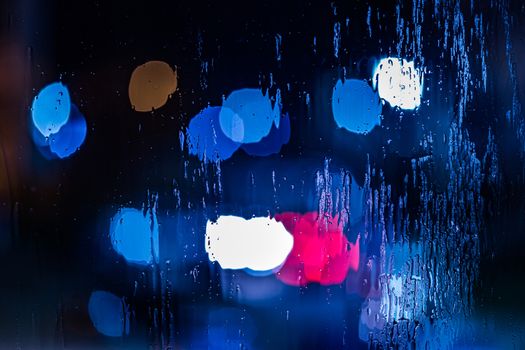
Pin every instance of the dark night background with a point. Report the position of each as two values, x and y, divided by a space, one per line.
54 215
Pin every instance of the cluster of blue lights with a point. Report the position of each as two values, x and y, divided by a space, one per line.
59 128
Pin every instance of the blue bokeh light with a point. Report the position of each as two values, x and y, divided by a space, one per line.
66 141
247 115
39 139
135 235
272 143
71 136
355 106
108 314
206 139
50 109
264 273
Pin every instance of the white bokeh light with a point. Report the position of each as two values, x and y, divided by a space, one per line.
259 244
398 82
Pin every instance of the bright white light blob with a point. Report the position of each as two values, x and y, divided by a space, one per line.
398 82
259 244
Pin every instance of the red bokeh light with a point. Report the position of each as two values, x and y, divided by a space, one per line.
321 252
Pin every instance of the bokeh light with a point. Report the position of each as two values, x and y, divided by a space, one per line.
398 82
50 109
248 116
271 143
321 252
355 106
206 139
66 141
150 85
108 314
71 136
371 319
259 244
135 235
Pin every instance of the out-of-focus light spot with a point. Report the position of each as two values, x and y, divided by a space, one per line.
401 280
355 106
365 281
230 329
248 115
66 141
398 82
321 252
135 235
108 313
272 143
259 244
371 319
392 306
71 136
50 108
39 139
206 139
258 273
150 85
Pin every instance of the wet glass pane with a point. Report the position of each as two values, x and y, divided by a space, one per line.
262 175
